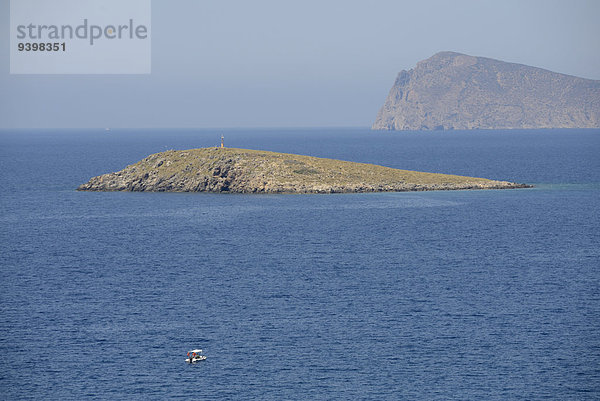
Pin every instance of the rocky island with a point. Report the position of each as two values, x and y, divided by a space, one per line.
230 170
456 91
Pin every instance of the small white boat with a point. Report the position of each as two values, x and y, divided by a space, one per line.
194 356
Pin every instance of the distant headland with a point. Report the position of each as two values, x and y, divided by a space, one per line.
456 91
230 170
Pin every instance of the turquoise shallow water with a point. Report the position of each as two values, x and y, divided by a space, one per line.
437 295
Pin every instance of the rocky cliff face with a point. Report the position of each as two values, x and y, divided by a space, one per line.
456 91
227 170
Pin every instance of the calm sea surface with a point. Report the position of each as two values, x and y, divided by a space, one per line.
425 296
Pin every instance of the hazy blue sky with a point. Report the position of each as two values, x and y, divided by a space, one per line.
276 63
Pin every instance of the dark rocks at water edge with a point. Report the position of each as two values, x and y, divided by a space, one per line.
457 91
227 170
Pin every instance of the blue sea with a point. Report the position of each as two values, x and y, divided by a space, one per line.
451 295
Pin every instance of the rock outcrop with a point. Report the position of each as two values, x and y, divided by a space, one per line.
456 91
228 170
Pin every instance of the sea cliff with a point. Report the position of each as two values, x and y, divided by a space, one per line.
456 91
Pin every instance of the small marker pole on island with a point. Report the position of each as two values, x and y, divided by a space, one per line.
222 143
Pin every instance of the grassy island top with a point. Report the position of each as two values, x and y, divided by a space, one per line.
256 171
